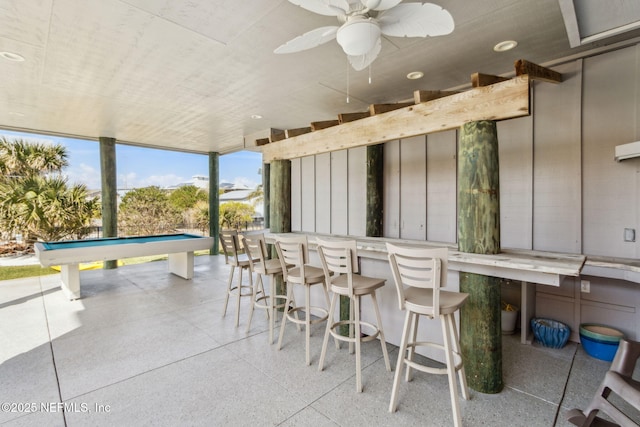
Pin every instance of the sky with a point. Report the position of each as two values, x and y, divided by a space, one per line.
143 167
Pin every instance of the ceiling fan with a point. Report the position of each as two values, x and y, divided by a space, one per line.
363 22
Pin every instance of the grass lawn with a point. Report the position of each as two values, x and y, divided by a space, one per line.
22 271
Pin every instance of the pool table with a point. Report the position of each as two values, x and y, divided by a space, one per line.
70 253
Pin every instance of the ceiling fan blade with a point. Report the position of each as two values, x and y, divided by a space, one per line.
324 7
361 62
380 4
416 20
308 40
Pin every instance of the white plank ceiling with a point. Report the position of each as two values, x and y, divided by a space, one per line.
189 74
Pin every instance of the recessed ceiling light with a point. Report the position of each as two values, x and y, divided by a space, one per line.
415 75
505 45
12 56
256 116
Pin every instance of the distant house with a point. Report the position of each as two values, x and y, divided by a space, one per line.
243 196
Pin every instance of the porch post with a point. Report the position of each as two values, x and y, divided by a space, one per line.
109 192
266 194
280 205
214 202
479 232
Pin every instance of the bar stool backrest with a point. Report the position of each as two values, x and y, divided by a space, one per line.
338 257
230 246
420 268
256 248
293 252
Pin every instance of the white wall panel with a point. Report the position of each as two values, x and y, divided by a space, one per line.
339 192
391 220
413 188
610 117
557 163
323 193
357 191
308 193
515 144
296 200
442 187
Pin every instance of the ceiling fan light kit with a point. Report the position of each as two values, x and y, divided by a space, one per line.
358 36
361 31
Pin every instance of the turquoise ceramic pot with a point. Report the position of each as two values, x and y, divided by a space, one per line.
550 333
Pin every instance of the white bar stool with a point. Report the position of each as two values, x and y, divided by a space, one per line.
234 258
256 249
340 264
423 272
293 252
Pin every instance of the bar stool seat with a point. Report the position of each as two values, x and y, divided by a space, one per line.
419 273
340 264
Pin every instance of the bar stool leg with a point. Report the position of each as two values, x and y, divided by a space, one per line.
351 324
358 340
412 349
393 404
327 331
383 342
253 300
284 315
451 370
271 312
229 284
307 322
456 349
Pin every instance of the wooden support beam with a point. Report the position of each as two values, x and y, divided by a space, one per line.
480 80
256 139
323 124
349 117
290 133
506 100
277 135
537 72
385 108
429 95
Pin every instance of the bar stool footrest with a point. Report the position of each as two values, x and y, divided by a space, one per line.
324 316
370 337
265 304
457 359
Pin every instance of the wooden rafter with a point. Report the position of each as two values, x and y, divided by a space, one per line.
537 72
429 95
323 124
480 80
297 131
349 117
500 101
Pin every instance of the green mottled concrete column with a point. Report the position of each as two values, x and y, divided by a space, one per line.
266 193
280 204
479 232
214 202
109 192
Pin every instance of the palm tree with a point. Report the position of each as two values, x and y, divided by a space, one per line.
36 203
21 159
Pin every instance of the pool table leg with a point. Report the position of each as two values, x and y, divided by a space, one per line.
181 264
71 280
